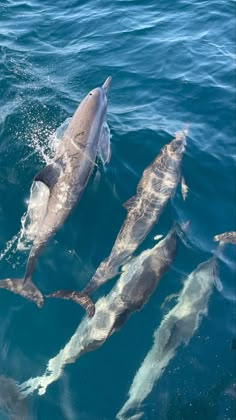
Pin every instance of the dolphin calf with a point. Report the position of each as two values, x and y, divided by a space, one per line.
133 289
177 328
66 177
156 186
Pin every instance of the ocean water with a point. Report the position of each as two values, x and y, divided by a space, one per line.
172 65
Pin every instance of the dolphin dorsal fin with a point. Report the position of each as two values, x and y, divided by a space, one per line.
130 202
49 175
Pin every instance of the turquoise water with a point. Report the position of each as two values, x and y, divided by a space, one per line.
172 64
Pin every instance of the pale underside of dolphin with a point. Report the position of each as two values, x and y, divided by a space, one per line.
157 184
134 287
66 177
177 328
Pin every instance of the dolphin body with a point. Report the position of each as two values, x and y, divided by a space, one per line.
134 287
156 186
177 328
66 177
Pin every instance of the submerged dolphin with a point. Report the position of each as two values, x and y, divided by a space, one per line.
66 177
134 287
156 186
177 328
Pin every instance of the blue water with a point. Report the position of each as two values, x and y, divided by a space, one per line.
172 64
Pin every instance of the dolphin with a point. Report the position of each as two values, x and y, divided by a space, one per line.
157 184
66 177
136 284
177 328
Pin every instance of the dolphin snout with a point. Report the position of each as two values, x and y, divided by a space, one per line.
106 84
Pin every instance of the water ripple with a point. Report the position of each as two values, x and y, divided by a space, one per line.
172 64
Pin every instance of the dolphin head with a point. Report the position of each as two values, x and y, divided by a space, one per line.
100 93
96 100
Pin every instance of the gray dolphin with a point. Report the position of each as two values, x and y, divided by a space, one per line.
157 185
66 177
176 328
137 282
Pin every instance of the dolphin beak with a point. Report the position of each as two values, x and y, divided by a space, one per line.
106 84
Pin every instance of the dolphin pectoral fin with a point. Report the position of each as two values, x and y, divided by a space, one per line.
81 299
169 298
26 289
130 203
49 175
104 145
157 237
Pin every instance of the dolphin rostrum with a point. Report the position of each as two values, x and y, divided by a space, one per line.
156 186
66 177
137 282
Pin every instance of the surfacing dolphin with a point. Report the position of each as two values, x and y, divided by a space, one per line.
66 177
177 328
157 184
137 282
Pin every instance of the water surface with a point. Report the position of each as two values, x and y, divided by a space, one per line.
172 64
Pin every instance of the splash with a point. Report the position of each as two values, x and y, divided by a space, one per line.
39 193
9 245
36 211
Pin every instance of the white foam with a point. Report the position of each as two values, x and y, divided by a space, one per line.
36 211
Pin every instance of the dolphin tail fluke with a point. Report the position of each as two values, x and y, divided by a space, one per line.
80 298
25 288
